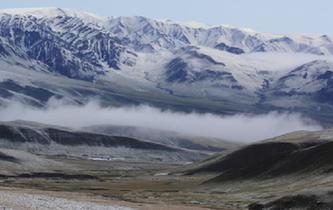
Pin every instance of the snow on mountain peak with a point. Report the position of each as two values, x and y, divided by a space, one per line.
51 12
190 24
149 35
168 57
245 38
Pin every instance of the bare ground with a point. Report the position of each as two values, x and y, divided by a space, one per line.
31 199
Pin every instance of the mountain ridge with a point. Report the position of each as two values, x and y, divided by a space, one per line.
135 60
107 22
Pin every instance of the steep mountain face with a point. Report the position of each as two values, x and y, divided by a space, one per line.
308 85
308 78
227 48
65 44
51 52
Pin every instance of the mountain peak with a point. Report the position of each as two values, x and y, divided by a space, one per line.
52 12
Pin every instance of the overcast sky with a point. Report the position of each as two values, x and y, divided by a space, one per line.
278 16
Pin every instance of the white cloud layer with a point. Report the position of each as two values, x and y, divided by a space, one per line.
242 128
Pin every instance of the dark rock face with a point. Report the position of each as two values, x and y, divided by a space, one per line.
179 71
201 56
304 202
325 95
282 39
4 93
327 75
55 58
260 48
3 50
22 135
76 51
176 70
213 75
312 74
234 50
39 94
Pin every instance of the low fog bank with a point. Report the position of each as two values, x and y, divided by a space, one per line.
240 128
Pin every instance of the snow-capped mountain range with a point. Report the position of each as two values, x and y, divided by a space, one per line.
52 52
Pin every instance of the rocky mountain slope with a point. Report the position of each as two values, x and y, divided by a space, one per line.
56 53
56 141
293 171
174 139
287 154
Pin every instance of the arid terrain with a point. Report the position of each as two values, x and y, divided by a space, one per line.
293 171
101 170
100 184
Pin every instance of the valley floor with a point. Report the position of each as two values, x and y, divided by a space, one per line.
91 184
